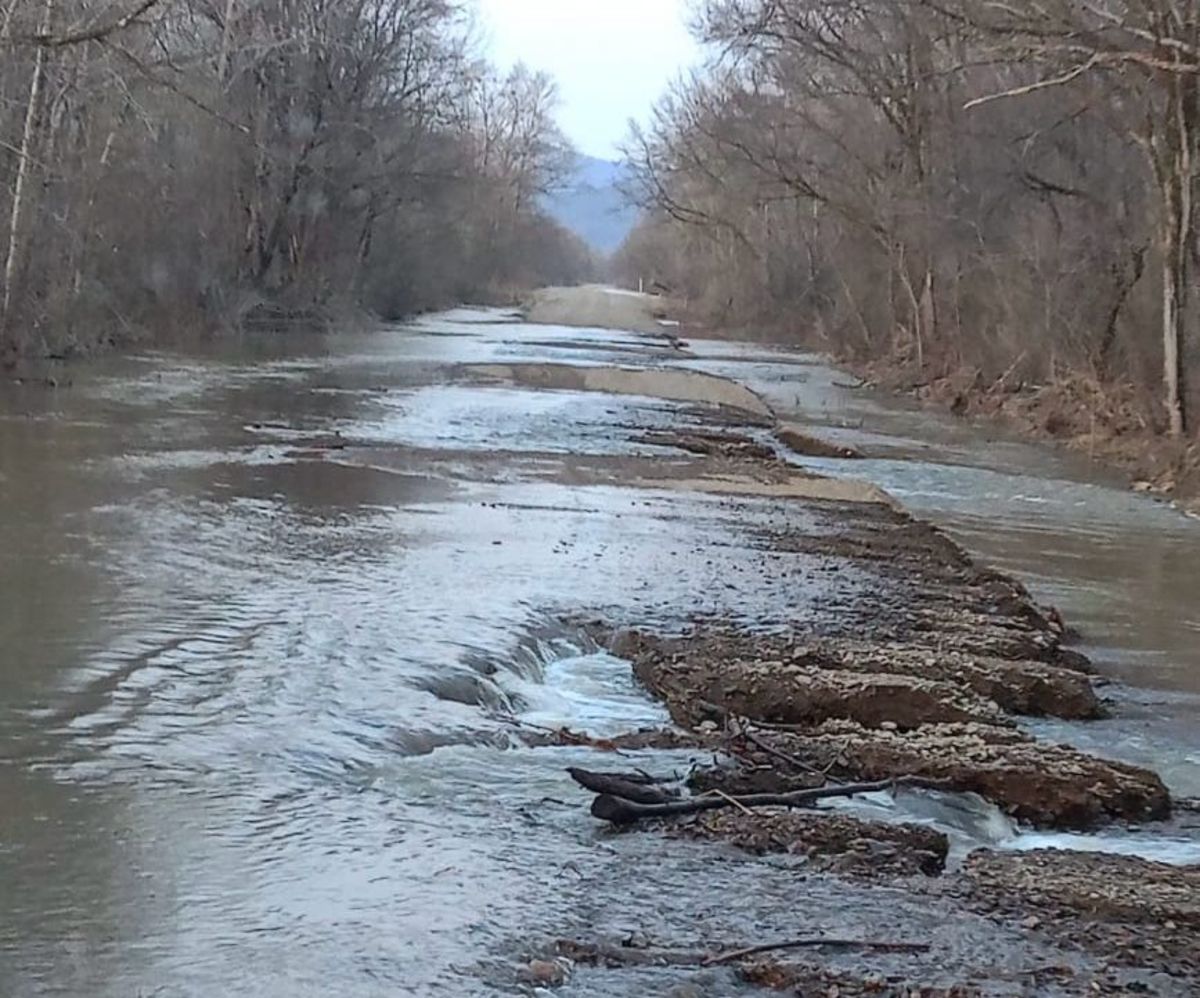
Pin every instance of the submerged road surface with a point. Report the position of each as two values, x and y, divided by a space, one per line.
275 612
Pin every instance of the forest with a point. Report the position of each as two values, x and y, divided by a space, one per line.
173 166
994 197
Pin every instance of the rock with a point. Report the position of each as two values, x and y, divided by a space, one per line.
1021 686
684 990
1129 911
1046 785
797 440
550 973
728 445
820 980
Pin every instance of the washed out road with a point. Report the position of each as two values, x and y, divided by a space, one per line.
281 618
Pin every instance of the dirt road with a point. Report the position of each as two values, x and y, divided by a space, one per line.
598 306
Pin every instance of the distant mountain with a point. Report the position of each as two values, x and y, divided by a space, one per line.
592 206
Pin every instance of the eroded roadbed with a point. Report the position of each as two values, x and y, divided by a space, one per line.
324 622
845 741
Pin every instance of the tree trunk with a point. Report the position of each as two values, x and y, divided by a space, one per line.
22 189
1173 315
1176 186
86 227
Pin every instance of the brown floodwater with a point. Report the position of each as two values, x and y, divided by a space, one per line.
256 688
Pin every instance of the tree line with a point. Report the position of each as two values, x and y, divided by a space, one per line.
1004 188
170 164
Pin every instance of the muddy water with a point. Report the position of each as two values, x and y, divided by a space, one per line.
269 611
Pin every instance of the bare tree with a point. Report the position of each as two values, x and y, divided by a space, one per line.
179 163
848 170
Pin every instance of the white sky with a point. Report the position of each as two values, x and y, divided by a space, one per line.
611 58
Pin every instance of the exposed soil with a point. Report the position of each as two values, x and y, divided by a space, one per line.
1019 686
811 978
727 445
1132 911
930 594
837 843
670 384
792 693
1045 785
737 464
596 306
801 442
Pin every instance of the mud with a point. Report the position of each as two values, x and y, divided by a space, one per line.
733 446
802 442
794 486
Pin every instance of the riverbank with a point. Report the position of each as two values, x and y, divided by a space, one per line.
1105 423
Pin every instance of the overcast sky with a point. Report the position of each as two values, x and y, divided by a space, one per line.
611 58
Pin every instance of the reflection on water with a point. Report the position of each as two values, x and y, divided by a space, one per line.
252 688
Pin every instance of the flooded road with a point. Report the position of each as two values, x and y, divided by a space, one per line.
1123 569
272 608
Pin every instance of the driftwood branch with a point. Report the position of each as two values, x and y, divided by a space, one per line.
812 942
798 764
621 811
743 727
616 955
633 787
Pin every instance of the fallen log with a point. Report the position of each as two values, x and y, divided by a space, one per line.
634 787
812 942
622 811
618 955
